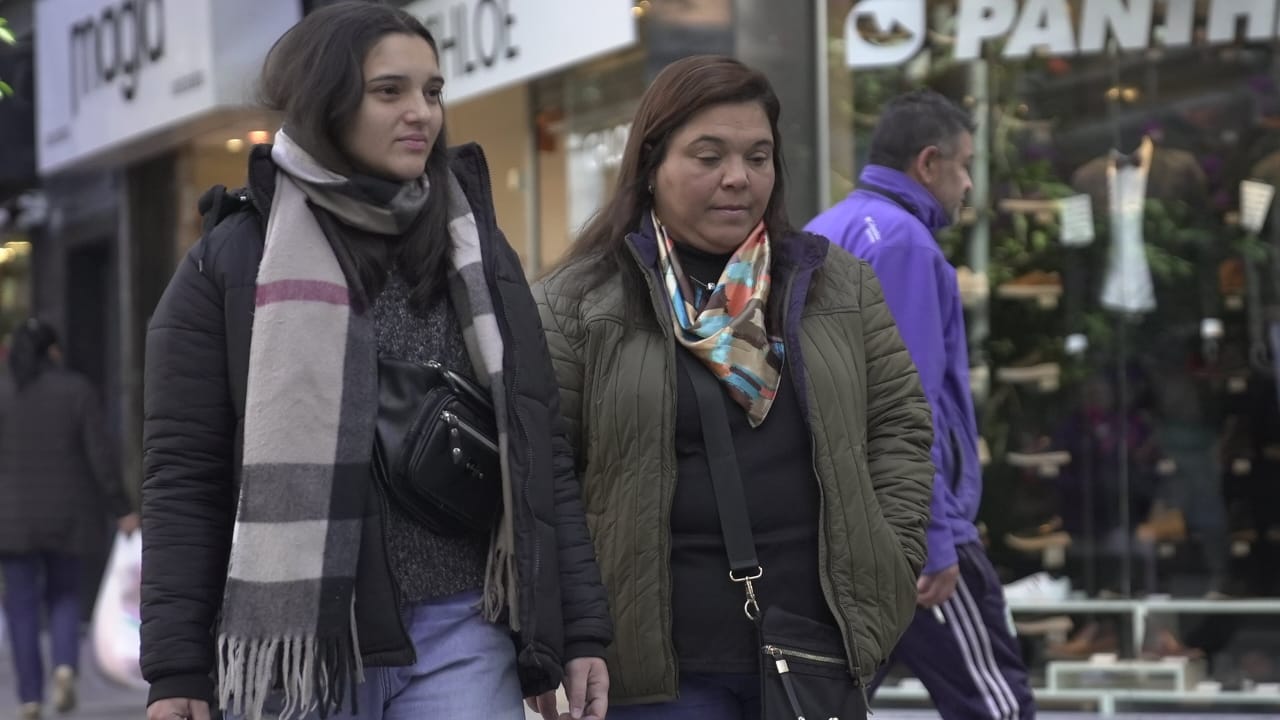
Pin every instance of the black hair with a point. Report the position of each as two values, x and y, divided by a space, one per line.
314 77
682 90
912 122
29 351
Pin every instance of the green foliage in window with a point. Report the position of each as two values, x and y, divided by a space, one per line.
6 37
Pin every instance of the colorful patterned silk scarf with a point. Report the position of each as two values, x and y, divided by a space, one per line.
728 332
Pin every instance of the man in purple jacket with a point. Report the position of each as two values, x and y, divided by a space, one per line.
961 644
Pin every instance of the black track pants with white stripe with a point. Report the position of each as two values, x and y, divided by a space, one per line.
971 663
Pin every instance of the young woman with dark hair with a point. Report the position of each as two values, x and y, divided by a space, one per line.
281 574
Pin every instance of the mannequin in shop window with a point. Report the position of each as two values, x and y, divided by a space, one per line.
1149 194
1151 199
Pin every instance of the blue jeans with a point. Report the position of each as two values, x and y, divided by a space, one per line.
466 669
703 696
28 579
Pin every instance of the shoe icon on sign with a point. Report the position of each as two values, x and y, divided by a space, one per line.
883 32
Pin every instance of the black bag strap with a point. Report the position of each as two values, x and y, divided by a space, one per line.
722 462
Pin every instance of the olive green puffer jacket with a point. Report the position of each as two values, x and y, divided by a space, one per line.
869 420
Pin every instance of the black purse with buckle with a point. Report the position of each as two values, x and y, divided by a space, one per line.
803 668
436 448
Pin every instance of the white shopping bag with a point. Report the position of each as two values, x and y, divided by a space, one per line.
116 615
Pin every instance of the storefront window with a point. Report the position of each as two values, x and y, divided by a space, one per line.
1120 303
582 118
499 121
553 147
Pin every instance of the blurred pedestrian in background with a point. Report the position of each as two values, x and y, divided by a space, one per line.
961 643
59 479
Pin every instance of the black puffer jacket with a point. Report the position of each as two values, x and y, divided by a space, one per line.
196 372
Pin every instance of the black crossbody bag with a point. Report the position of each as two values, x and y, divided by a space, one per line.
436 447
803 668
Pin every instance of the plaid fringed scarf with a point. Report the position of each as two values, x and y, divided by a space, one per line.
288 612
728 333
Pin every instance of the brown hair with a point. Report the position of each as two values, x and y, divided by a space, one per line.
314 77
681 91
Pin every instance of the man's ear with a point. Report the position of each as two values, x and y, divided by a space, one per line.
926 162
924 165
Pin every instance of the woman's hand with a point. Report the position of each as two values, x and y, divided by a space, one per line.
179 709
586 683
129 524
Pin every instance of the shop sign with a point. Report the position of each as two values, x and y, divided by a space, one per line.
882 33
489 44
109 72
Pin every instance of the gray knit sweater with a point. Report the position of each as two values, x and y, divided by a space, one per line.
425 565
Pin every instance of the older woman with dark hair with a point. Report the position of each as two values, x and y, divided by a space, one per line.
359 501
691 277
59 480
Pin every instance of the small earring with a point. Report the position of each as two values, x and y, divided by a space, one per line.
650 188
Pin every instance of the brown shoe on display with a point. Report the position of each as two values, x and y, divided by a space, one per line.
29 711
1043 287
1031 370
974 287
1092 639
1164 644
1231 276
1045 536
1044 210
1054 625
1165 525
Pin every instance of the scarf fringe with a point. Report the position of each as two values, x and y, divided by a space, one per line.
314 675
500 582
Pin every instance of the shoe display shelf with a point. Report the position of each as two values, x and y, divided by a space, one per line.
1111 684
1106 671
1107 702
1139 610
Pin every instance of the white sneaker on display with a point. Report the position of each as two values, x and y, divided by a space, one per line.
1038 588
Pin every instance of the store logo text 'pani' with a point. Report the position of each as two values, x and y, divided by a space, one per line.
890 32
